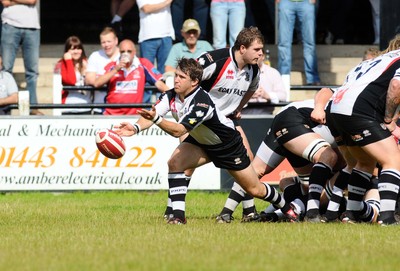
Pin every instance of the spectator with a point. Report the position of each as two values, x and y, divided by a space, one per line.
8 90
200 11
288 12
99 59
126 79
118 10
270 90
21 27
156 33
224 13
73 69
190 47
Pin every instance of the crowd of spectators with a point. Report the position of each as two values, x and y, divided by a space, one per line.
161 46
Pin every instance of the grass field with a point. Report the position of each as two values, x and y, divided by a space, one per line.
125 231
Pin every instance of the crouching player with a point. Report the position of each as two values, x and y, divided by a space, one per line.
212 138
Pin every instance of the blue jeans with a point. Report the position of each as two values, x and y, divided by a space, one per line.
155 49
200 14
304 11
29 39
222 14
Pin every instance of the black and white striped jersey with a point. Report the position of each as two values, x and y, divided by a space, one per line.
365 88
223 80
197 113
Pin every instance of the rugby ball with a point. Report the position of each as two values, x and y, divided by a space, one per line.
110 144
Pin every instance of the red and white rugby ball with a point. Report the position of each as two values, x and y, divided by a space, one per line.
110 144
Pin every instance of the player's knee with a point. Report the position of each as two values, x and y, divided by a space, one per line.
285 182
319 151
260 171
174 165
257 191
328 156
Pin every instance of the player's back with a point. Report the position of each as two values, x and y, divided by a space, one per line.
366 86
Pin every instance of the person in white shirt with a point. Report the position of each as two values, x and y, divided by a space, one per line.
21 28
98 61
8 90
156 33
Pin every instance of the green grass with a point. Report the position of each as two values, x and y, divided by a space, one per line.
125 231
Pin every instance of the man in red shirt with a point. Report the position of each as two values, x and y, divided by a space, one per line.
126 79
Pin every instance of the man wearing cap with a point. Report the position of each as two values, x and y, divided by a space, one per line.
190 47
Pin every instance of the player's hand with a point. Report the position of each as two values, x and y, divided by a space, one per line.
318 116
124 129
148 114
237 114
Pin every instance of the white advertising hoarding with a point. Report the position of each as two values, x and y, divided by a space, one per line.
60 154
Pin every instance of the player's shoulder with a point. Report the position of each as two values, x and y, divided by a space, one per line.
202 98
169 95
214 56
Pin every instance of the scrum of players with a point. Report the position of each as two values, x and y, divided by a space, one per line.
343 145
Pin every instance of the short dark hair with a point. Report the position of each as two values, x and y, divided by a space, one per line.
191 67
247 36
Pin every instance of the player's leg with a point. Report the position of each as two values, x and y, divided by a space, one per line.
238 195
318 151
168 213
185 156
372 203
340 184
247 178
387 154
358 183
294 193
249 209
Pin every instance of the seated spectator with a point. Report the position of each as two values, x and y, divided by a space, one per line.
98 61
190 47
270 90
199 10
8 90
73 68
126 79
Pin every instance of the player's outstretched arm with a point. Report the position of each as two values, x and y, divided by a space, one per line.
124 129
172 128
128 129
